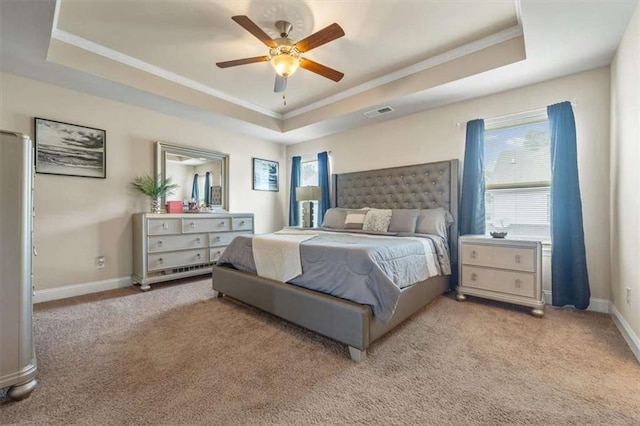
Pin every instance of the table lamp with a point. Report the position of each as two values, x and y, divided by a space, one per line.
307 194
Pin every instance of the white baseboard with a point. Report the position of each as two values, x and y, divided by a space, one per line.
595 304
627 332
66 291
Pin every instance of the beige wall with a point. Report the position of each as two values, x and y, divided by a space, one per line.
625 161
435 135
77 218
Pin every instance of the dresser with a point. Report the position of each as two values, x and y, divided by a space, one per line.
171 246
18 364
507 270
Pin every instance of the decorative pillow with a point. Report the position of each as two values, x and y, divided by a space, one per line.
334 218
355 219
434 221
377 220
403 220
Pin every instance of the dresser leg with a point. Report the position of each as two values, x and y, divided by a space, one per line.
217 294
537 312
461 297
20 392
145 287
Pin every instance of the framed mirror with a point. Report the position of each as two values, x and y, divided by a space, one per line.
202 176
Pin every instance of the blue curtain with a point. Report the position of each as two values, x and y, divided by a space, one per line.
207 189
569 277
471 213
195 192
294 215
323 182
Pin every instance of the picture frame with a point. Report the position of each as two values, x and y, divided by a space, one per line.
70 149
266 175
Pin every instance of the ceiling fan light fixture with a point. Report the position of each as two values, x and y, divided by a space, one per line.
285 59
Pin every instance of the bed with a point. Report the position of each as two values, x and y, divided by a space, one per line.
423 186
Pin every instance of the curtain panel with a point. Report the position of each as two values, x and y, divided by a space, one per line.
207 189
323 182
294 214
569 277
195 192
471 212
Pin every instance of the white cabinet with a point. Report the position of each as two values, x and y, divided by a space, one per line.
17 355
172 246
507 270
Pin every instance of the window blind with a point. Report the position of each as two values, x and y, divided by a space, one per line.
518 178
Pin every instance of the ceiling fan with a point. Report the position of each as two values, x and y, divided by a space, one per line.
285 55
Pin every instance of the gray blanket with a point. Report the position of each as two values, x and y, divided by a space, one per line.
365 269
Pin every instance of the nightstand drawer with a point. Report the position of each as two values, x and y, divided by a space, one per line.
518 283
516 258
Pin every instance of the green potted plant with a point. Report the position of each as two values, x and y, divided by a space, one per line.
154 188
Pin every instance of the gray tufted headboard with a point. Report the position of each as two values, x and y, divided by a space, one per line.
420 186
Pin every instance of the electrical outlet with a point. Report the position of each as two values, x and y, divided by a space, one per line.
628 295
100 261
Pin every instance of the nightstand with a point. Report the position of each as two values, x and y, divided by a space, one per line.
507 270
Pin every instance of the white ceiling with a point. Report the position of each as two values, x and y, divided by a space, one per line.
412 55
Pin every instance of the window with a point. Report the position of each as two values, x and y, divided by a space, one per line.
309 177
517 162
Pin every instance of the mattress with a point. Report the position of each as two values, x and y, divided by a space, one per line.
366 269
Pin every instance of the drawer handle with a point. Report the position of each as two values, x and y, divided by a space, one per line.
518 283
216 239
161 261
474 277
517 258
242 223
193 225
198 256
165 225
198 240
474 254
159 243
222 224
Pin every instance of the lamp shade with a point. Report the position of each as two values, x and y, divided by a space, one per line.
308 193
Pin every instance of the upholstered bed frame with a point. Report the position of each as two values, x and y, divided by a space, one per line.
410 187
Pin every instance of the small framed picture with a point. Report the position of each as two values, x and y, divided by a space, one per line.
266 175
70 149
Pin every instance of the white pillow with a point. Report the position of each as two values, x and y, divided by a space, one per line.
377 220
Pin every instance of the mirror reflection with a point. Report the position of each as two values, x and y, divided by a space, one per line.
200 174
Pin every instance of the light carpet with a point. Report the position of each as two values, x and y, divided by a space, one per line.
176 355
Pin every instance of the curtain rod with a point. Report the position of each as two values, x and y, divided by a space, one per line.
515 114
307 154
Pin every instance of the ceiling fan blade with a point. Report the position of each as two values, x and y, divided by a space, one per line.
280 84
244 61
321 37
320 69
257 32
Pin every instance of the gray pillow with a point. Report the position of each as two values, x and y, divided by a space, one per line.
403 220
334 218
434 221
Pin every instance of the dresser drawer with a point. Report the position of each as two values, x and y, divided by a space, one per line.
163 226
516 258
517 283
193 225
177 242
176 259
215 253
223 238
242 223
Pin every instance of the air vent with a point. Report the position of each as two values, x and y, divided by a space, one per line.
378 112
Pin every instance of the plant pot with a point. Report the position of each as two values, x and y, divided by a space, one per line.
155 206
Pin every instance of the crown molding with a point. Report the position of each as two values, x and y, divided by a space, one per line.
106 52
483 43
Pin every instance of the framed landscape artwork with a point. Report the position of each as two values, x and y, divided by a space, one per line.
69 149
265 175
